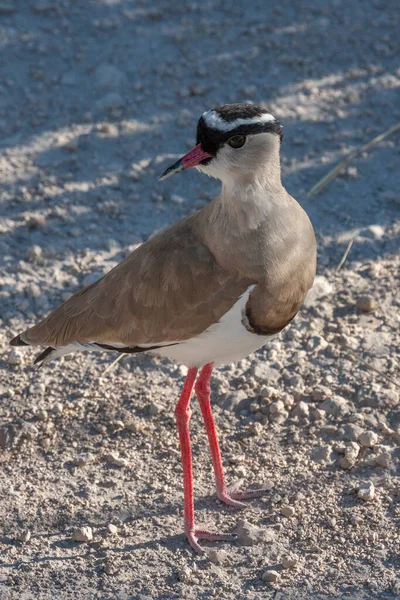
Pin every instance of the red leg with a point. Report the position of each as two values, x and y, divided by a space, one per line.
230 496
182 414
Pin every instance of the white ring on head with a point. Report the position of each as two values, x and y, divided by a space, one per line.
214 121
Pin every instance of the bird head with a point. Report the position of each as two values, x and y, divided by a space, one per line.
233 141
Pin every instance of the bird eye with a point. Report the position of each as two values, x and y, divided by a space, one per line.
237 141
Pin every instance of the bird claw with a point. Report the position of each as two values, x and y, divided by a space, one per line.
233 496
194 535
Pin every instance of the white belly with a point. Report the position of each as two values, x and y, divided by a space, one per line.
224 342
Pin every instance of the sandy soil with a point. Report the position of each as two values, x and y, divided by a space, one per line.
96 99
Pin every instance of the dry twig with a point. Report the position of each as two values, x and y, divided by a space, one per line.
322 183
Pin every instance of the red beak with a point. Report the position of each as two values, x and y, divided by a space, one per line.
191 159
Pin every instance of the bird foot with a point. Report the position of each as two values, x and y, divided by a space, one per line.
193 535
233 496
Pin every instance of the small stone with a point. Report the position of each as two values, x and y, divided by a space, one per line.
271 576
110 567
321 288
42 415
14 357
320 393
345 463
237 459
255 429
290 561
181 371
268 392
302 410
112 529
185 574
352 432
177 199
25 536
35 254
36 221
316 343
318 415
383 459
82 534
115 460
376 231
366 491
234 401
352 172
366 304
263 372
250 535
58 408
352 450
154 409
321 454
335 407
240 472
276 407
288 511
217 556
82 459
368 439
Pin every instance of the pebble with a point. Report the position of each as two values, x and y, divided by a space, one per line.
366 491
35 254
185 574
383 459
250 535
255 429
320 393
321 454
368 439
234 400
316 343
321 288
271 576
177 199
267 391
276 407
25 536
42 415
335 407
302 410
263 372
352 172
112 529
366 304
217 556
288 511
114 459
290 561
58 408
351 452
352 432
82 534
14 357
154 409
279 417
36 221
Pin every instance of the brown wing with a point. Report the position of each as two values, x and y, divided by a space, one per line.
171 288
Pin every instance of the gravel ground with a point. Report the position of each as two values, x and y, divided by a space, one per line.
96 99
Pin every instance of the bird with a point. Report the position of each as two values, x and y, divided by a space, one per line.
209 289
